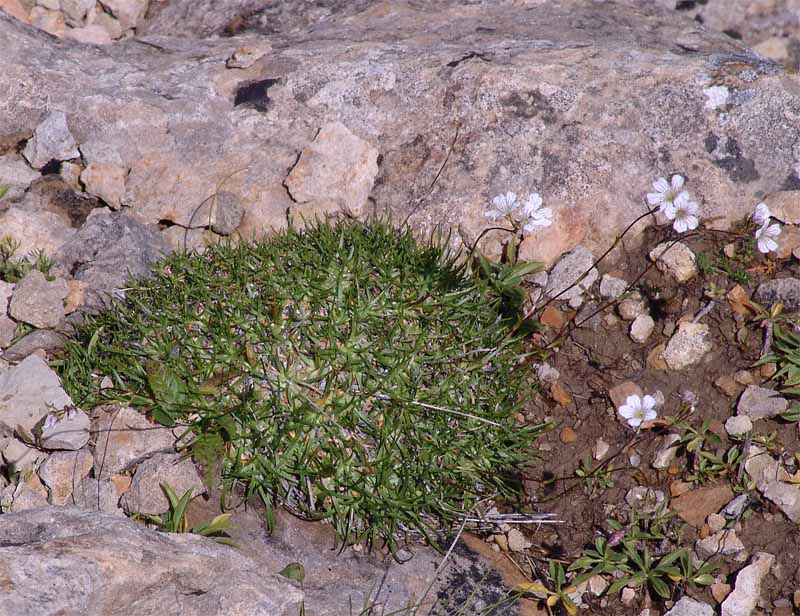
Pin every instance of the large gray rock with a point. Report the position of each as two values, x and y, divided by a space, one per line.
38 301
463 100
109 248
65 561
35 230
16 175
51 140
31 390
146 494
48 340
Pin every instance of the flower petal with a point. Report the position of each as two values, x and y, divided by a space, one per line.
627 412
648 402
677 182
635 422
655 198
633 401
661 185
761 214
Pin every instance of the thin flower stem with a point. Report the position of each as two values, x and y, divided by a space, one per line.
597 262
570 324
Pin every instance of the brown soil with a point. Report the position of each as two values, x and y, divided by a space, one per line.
597 356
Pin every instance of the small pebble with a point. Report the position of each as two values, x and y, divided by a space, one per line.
628 595
719 591
738 425
743 377
642 327
631 307
715 522
600 449
568 436
767 371
726 385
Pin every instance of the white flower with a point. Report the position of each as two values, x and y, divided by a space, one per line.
534 216
638 409
766 235
762 214
504 205
684 212
49 422
666 192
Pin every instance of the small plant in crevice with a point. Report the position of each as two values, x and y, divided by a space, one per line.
174 519
13 269
346 372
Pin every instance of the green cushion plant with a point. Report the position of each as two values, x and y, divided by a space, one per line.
344 371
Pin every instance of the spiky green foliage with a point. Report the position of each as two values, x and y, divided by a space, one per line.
344 371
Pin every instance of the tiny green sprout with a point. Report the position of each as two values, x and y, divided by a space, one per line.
174 519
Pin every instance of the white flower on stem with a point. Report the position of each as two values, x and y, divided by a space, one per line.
504 205
49 422
761 215
534 216
766 236
667 192
684 213
638 409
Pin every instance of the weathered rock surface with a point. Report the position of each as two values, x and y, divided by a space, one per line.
106 181
688 346
63 471
612 287
124 438
747 590
784 290
69 431
38 301
51 140
536 109
695 506
109 248
723 543
337 167
690 607
63 560
47 340
94 495
760 402
570 271
16 175
35 231
31 390
146 494
676 259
